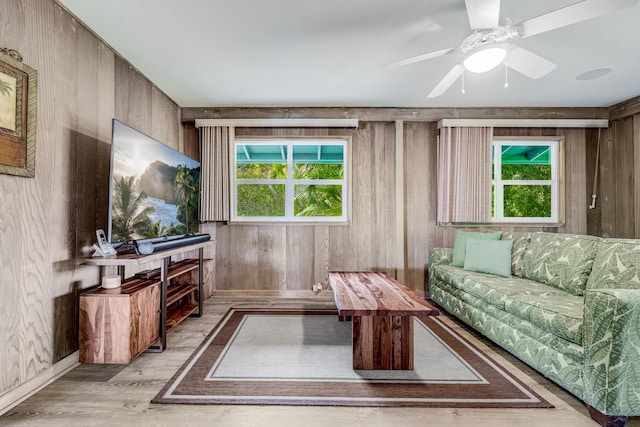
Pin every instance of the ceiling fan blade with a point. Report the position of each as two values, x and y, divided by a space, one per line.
528 63
483 14
447 81
418 58
571 14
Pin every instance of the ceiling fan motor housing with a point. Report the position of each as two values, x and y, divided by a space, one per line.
487 37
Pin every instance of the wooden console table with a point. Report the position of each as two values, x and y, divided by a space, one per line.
381 311
176 302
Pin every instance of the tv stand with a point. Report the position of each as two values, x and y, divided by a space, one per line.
179 298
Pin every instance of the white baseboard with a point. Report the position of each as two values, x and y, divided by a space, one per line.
37 383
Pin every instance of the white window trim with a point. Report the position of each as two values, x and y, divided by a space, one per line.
554 182
289 216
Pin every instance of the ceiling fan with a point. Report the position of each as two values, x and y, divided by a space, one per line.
486 47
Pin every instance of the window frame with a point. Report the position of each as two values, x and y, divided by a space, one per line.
556 182
290 182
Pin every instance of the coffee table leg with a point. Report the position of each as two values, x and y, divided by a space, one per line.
382 342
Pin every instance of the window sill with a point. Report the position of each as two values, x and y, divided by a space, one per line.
293 223
502 225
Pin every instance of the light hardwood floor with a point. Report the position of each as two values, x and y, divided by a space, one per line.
96 395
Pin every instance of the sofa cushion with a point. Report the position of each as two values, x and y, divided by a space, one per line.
560 260
616 265
560 315
460 243
520 243
489 256
492 290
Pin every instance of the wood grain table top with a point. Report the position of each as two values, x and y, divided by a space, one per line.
362 293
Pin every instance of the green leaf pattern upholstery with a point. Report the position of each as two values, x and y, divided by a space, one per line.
587 341
530 344
520 243
617 265
612 350
563 261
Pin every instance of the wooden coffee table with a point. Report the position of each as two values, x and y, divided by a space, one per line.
381 311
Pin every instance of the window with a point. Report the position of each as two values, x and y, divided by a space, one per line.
292 180
525 181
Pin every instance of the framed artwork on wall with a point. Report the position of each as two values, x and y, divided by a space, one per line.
18 115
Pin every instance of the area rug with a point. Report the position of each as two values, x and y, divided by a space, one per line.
303 357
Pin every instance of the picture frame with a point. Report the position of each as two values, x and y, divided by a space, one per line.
18 115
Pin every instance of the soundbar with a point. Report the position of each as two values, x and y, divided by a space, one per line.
164 243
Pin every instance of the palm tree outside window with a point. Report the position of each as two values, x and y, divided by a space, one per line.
290 180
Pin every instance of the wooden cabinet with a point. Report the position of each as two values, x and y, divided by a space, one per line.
118 324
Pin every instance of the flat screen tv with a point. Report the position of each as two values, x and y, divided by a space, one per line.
154 190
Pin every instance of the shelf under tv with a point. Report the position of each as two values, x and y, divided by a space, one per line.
180 297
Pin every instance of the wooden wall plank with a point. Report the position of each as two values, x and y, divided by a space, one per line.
300 255
417 201
191 141
165 116
321 255
133 97
624 171
400 260
576 182
607 197
591 152
636 174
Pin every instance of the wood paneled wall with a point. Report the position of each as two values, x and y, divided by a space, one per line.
49 221
293 257
618 203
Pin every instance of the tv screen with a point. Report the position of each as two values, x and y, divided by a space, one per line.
154 190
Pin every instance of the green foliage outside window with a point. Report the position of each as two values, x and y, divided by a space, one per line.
261 199
318 200
255 200
527 201
261 171
317 171
526 172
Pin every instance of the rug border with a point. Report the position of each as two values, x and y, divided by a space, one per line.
356 401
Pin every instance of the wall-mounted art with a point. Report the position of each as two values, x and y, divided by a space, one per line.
18 114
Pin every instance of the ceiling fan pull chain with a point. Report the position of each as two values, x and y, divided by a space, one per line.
463 91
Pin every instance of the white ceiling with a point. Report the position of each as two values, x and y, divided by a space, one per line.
218 53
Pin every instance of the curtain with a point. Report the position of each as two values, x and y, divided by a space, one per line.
464 174
215 143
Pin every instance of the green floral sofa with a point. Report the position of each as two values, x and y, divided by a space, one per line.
571 310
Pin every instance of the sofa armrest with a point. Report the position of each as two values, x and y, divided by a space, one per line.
440 256
612 350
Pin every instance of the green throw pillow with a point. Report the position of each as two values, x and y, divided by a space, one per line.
460 243
489 256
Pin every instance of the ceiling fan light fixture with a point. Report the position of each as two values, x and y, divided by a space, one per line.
484 60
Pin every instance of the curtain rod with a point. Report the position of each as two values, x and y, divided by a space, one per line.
525 123
268 123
